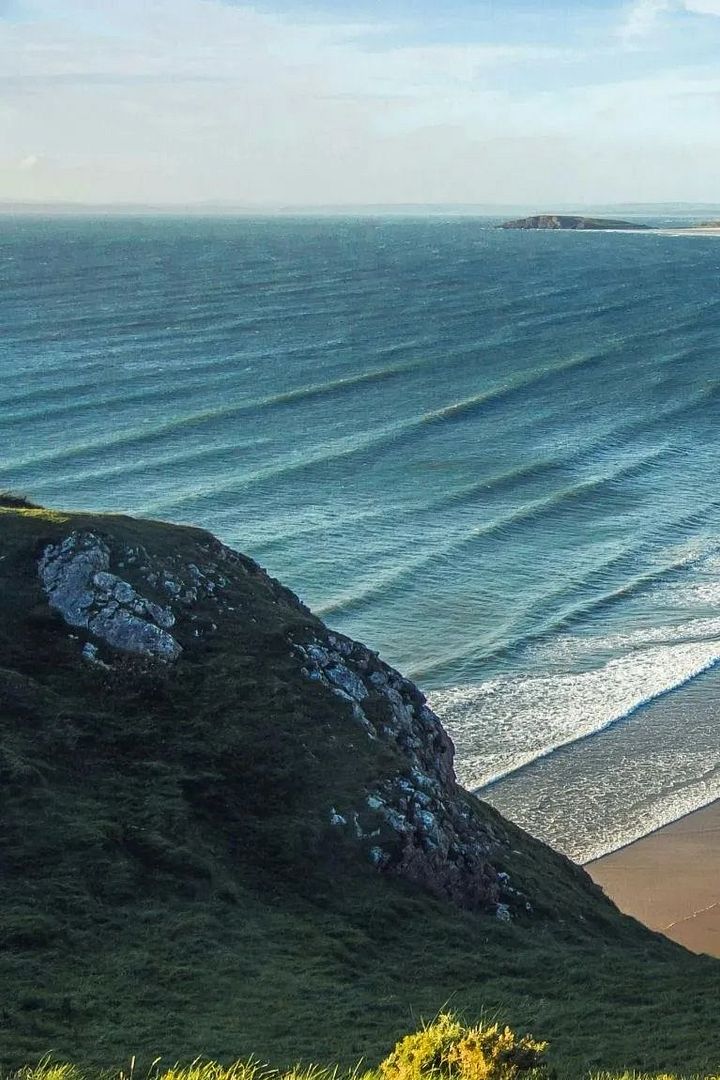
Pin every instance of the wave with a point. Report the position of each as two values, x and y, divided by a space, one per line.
402 432
559 621
389 435
471 405
506 724
393 435
141 435
147 467
496 484
523 515
224 412
583 455
181 390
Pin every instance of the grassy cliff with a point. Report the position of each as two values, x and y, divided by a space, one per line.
189 848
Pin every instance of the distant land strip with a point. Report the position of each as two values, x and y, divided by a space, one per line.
571 222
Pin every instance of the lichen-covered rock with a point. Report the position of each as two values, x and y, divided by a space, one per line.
75 575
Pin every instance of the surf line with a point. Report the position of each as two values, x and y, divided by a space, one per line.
548 751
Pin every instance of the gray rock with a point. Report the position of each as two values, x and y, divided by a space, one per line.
171 587
346 680
318 654
123 630
75 575
395 819
431 834
402 712
67 570
361 718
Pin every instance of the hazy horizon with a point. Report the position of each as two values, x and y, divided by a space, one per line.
211 208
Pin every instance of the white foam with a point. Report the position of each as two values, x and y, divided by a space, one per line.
588 804
507 722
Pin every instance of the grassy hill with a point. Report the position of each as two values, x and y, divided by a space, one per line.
189 848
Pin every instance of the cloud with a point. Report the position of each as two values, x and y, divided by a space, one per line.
29 162
642 18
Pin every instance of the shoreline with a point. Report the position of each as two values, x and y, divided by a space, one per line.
713 231
670 879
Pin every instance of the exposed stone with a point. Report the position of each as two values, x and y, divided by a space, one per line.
346 680
76 578
378 856
123 630
318 655
90 652
430 833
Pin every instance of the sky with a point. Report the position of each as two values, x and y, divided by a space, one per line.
287 102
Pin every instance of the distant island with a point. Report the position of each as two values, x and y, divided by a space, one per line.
563 221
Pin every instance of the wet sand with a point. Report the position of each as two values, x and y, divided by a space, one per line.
670 880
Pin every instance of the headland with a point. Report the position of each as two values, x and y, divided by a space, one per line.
573 222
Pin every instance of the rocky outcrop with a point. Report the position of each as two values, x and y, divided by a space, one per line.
569 221
414 821
418 824
75 575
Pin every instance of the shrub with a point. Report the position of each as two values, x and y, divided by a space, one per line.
16 500
447 1050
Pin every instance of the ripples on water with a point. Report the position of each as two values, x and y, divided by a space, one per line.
491 455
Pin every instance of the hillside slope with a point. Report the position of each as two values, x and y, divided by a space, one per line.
226 830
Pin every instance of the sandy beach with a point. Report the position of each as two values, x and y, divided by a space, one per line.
710 230
670 880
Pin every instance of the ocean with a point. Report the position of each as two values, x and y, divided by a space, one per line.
493 456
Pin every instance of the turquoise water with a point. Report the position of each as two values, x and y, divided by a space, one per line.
491 455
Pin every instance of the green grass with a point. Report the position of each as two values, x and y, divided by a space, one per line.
169 884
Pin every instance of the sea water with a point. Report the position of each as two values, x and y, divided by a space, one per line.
493 456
